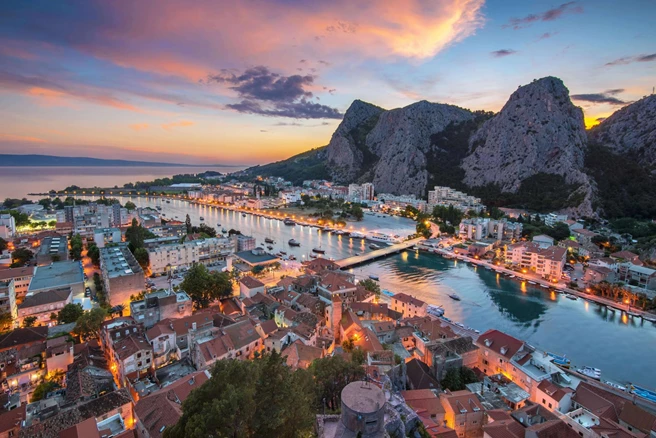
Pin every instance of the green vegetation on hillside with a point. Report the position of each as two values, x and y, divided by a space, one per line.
308 165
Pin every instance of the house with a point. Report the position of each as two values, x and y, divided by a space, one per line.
463 412
408 305
299 355
154 413
626 256
240 340
21 278
636 275
385 331
554 397
425 403
11 421
320 264
543 240
583 235
249 286
59 353
161 305
133 357
451 353
57 275
419 375
337 284
162 339
44 305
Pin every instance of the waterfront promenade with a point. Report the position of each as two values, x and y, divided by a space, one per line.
376 254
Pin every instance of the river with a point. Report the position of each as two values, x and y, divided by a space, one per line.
586 333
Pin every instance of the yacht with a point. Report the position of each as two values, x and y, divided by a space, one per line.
293 242
572 297
289 222
319 250
594 373
454 297
202 218
374 277
383 238
357 235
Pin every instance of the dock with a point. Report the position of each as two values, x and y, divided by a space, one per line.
377 254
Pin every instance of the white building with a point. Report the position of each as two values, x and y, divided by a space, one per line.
446 196
103 236
290 197
547 262
183 255
360 193
7 226
553 218
480 228
400 202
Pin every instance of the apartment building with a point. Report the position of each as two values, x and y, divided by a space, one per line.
8 299
44 305
463 413
481 228
361 192
546 262
161 305
400 202
183 255
103 236
21 278
408 305
57 275
52 249
446 196
121 273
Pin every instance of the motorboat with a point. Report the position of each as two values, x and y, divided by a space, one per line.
532 282
314 256
292 257
647 394
283 252
357 235
319 250
388 293
269 247
571 297
243 215
374 246
615 385
560 360
223 230
434 310
289 222
454 297
591 372
268 240
168 202
218 225
294 242
202 218
159 208
374 277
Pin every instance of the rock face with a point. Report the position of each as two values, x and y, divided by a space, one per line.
631 130
539 130
388 147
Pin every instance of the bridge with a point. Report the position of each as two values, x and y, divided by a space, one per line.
377 254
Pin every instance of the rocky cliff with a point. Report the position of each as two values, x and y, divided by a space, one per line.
631 131
389 147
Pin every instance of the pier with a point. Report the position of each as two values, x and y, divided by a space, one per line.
377 254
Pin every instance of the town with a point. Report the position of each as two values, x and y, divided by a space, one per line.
115 314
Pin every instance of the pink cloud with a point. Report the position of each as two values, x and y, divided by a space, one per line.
181 124
139 126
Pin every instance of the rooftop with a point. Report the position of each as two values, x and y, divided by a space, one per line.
57 275
118 261
6 274
46 297
251 282
363 397
252 259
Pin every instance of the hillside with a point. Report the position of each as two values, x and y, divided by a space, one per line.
301 167
10 160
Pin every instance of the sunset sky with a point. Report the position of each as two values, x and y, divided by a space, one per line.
252 81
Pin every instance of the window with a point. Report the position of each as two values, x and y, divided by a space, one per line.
549 405
544 402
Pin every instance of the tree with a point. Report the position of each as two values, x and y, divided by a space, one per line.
558 231
348 345
141 254
130 205
89 323
3 245
188 224
70 313
20 256
203 286
357 212
76 247
370 285
93 252
331 375
455 379
29 321
5 320
42 389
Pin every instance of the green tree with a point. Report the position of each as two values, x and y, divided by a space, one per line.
188 224
76 247
204 286
455 379
348 345
93 252
370 285
141 254
42 389
130 205
89 323
357 212
3 245
5 320
29 321
331 375
70 313
559 231
20 256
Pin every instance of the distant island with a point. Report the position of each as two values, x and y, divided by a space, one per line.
11 160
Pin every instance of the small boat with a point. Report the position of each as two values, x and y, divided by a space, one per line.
269 247
314 256
594 373
319 250
283 253
168 202
293 242
218 225
159 208
374 277
357 254
532 282
572 297
268 240
560 360
374 246
647 394
357 235
202 218
223 230
388 293
615 385
488 268
292 257
544 286
435 310
459 324
289 222
454 297
243 215
511 276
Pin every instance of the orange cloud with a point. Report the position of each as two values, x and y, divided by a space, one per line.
139 126
180 124
11 137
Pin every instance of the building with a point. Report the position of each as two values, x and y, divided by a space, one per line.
543 241
361 193
58 275
249 286
463 412
133 356
161 305
52 249
103 236
481 228
408 305
171 257
21 278
446 196
546 262
254 257
400 202
363 411
240 340
122 275
553 218
8 299
636 275
7 226
243 243
44 305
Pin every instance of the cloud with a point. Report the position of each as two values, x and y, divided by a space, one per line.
550 15
139 126
271 94
631 59
605 97
181 124
502 53
21 138
546 35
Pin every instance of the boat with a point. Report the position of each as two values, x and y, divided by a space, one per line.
388 293
223 230
314 256
159 208
202 218
292 257
319 250
357 254
269 247
268 240
434 310
544 286
488 268
647 394
560 360
511 276
383 238
454 297
293 242
615 385
168 202
532 282
218 225
374 277
572 297
374 246
283 252
587 371
243 215
357 235
289 222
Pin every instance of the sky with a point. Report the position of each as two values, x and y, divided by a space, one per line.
255 81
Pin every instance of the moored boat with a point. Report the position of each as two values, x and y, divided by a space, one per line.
435 310
269 247
374 277
388 293
591 372
560 360
454 297
644 393
268 240
615 385
374 246
532 282
356 235
289 222
294 242
319 250
202 218
572 297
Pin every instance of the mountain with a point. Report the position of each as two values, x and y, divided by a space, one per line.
534 154
631 131
9 160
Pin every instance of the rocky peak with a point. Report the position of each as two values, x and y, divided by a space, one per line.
631 130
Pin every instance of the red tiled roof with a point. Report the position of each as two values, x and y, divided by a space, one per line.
26 271
268 326
251 282
12 419
498 340
405 298
553 390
